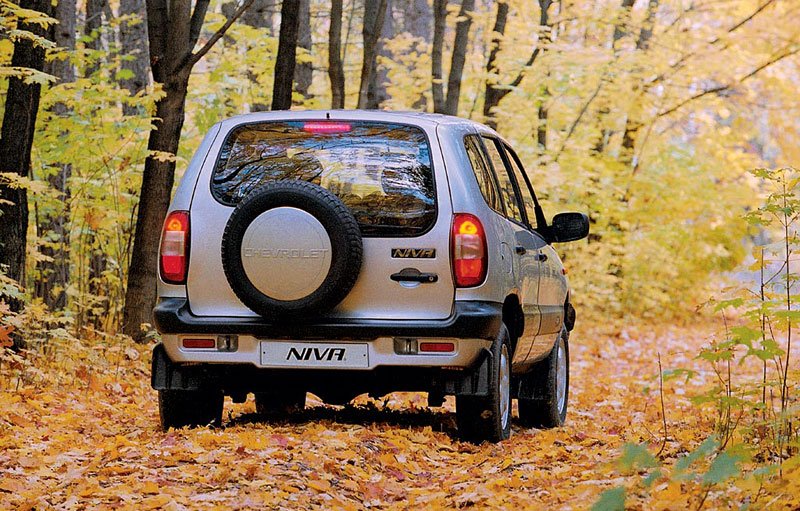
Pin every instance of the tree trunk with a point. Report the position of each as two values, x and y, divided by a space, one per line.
335 65
439 25
621 26
133 43
157 182
286 58
632 125
304 71
417 22
91 30
459 57
16 140
545 25
493 94
374 15
173 29
620 31
260 14
376 91
54 274
541 128
417 19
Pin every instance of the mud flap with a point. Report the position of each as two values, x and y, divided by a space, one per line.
569 317
165 375
471 383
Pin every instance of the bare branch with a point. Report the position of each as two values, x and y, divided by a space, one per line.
192 58
713 90
196 24
677 66
578 119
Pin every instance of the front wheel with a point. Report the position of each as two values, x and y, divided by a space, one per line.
488 418
548 383
193 408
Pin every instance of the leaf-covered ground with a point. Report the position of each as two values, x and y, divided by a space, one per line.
83 434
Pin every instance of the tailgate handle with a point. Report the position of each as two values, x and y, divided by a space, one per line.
414 275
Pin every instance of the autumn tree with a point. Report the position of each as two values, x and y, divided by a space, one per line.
374 17
173 29
448 103
53 270
16 141
335 65
287 55
133 45
495 91
304 71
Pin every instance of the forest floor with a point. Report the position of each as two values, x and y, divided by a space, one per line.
79 430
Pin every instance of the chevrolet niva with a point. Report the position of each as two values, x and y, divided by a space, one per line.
350 252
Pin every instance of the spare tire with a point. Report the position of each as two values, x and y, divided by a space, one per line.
290 248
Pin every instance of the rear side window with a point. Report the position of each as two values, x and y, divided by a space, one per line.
524 190
507 189
381 171
483 173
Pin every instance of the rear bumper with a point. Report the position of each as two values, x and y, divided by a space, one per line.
470 320
471 328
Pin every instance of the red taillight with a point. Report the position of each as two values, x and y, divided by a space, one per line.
326 127
175 248
468 250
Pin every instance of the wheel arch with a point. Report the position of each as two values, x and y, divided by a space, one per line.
513 318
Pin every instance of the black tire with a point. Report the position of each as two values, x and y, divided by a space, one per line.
278 404
193 408
489 418
342 229
544 410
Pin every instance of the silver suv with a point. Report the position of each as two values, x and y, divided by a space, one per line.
350 252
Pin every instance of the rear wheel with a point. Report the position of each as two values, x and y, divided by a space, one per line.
489 418
276 404
549 381
179 408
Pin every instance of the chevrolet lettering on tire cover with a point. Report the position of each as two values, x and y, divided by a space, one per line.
349 252
285 253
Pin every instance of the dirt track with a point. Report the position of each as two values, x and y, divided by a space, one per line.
91 440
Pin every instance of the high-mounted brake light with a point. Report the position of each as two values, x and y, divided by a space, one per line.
175 248
468 250
326 127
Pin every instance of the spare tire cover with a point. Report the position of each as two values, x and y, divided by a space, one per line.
291 248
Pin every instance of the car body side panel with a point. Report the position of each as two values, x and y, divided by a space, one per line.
466 197
552 295
508 273
183 200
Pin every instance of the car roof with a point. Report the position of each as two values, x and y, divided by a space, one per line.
404 117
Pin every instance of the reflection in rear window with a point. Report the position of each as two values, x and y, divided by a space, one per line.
381 171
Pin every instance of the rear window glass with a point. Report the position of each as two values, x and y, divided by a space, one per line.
381 171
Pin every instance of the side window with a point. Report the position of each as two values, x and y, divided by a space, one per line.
483 173
524 187
507 189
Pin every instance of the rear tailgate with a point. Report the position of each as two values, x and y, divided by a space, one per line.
375 295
